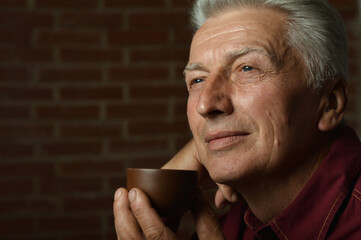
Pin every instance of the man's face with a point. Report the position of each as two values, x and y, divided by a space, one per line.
249 109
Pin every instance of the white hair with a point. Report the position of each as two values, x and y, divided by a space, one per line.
315 30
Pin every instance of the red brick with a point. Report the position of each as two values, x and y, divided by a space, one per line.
352 102
344 3
67 112
183 36
72 223
66 4
16 149
184 4
91 20
353 87
158 20
91 93
17 225
100 167
71 148
18 187
133 3
158 127
91 55
179 71
14 112
353 52
137 110
158 92
112 234
354 68
163 54
15 37
14 74
70 185
13 3
26 169
354 124
182 141
25 19
86 236
149 162
27 55
68 37
348 14
352 35
88 204
71 75
117 182
138 73
132 37
133 145
90 131
25 93
28 206
180 109
26 130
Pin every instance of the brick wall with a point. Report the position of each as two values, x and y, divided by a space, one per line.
87 89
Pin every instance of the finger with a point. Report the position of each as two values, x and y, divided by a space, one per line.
219 200
207 226
225 195
148 219
126 225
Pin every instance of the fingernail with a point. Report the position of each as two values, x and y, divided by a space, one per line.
117 194
132 195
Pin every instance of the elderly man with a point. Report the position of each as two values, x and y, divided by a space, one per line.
267 96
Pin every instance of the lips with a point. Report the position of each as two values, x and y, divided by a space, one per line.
224 140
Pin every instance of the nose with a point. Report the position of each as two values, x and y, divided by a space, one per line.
215 98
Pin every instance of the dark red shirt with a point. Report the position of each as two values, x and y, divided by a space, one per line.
328 207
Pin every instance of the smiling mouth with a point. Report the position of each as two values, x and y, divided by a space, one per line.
225 140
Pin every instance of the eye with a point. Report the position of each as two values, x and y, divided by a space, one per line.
247 68
196 81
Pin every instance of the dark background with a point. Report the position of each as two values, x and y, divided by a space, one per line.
87 89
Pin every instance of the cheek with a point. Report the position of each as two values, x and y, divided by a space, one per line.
268 109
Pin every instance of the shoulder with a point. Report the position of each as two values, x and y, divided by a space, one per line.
347 222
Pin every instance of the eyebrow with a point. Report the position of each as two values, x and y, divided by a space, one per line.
230 57
194 66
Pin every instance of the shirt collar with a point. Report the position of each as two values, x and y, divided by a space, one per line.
312 211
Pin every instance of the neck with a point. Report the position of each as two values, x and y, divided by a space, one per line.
268 197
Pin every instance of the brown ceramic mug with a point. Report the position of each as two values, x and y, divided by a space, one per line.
171 192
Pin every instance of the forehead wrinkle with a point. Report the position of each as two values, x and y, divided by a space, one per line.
214 30
218 25
214 35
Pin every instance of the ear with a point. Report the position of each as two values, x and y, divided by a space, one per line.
333 104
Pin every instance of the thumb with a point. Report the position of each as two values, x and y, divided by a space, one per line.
148 219
207 226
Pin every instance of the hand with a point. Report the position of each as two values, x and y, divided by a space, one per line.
187 158
225 195
134 217
207 226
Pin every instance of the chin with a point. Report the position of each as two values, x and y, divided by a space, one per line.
231 173
224 176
